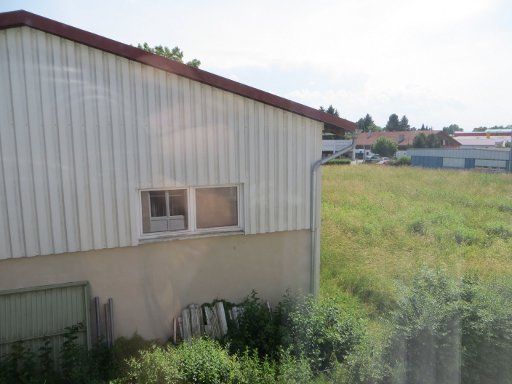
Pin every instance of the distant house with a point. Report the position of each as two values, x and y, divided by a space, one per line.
486 139
131 177
404 140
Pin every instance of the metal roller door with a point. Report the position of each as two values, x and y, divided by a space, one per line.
32 314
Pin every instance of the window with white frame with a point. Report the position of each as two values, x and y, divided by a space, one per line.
191 210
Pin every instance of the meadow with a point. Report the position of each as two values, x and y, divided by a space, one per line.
380 225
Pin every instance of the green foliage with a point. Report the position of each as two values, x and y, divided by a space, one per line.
320 332
500 230
308 329
384 147
156 365
366 124
401 161
207 362
199 361
126 348
393 123
259 328
294 370
256 370
452 128
397 124
77 364
423 140
330 110
498 127
175 53
203 361
340 161
442 330
404 124
486 327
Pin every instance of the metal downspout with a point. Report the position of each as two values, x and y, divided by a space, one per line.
315 218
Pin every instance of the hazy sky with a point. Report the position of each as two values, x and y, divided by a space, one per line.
437 61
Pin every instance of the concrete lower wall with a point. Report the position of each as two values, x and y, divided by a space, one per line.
150 283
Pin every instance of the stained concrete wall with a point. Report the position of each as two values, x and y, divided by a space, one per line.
151 283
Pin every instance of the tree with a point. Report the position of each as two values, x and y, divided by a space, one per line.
364 122
175 53
451 129
404 124
384 147
393 123
434 141
330 110
420 141
430 140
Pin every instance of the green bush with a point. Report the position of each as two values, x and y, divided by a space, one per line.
443 330
254 370
293 370
205 361
308 329
384 147
486 326
77 364
321 333
199 361
258 329
340 161
126 348
401 161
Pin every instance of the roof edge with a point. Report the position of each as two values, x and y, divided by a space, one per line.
23 18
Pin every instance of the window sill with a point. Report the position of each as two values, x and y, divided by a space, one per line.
189 235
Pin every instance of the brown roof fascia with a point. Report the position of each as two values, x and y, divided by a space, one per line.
24 18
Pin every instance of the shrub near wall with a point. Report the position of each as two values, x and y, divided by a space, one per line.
315 330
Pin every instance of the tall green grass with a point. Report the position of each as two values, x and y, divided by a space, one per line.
380 225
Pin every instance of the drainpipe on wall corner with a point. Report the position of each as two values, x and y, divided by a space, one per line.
315 199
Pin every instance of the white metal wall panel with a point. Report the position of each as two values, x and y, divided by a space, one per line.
82 130
490 163
491 154
452 162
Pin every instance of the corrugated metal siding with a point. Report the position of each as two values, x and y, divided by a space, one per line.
469 163
491 154
451 162
427 161
82 130
490 163
30 315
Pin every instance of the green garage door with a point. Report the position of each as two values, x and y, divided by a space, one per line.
32 314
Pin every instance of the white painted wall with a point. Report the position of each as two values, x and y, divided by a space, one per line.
81 131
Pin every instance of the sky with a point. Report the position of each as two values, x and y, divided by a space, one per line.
437 61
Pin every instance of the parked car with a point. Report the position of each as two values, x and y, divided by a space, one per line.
374 159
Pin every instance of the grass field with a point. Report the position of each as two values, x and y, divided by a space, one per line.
380 225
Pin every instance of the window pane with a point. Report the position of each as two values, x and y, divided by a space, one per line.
157 201
164 211
177 210
216 207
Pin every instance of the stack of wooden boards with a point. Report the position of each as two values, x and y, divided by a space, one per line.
204 320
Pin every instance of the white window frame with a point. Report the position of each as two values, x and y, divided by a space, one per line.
191 214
